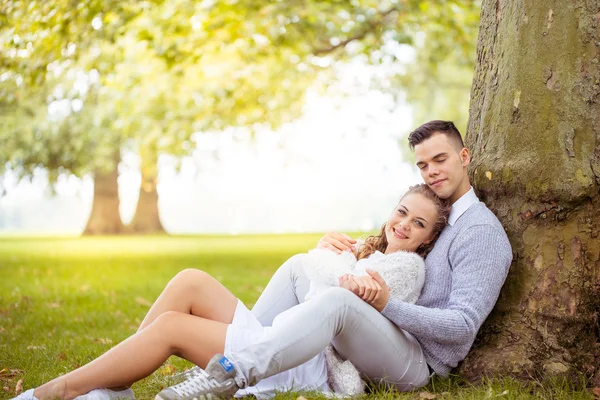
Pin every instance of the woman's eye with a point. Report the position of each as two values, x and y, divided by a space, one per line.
401 212
419 224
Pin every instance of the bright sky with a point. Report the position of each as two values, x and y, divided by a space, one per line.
339 167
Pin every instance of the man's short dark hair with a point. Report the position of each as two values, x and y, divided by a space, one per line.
431 128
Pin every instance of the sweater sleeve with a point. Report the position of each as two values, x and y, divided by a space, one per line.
480 258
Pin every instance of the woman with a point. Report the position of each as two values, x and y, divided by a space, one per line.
191 317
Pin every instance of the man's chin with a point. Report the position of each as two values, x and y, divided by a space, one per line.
440 192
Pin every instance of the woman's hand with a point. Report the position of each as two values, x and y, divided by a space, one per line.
384 296
367 288
337 242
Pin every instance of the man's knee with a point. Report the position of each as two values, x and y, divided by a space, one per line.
294 262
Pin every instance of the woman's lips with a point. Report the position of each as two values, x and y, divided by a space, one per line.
400 235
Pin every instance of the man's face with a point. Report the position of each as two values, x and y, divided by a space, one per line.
443 166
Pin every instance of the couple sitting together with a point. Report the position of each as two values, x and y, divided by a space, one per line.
343 312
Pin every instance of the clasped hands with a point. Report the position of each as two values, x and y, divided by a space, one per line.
371 288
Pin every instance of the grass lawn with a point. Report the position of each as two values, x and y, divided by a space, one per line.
64 301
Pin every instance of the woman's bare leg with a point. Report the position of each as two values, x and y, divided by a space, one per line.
194 292
172 333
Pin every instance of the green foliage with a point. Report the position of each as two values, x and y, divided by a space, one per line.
438 83
149 74
65 301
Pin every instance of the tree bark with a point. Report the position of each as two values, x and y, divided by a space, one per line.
147 219
534 133
105 218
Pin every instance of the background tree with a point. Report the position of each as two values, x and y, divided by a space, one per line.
167 70
534 131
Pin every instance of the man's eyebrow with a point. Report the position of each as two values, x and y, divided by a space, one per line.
440 155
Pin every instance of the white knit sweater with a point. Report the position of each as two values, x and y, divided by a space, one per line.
403 272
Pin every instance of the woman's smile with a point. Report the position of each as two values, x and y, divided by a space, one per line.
399 234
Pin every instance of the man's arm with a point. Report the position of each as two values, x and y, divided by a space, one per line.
480 260
337 242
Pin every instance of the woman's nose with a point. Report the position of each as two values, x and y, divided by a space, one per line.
405 225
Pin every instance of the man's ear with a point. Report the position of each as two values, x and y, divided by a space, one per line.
465 157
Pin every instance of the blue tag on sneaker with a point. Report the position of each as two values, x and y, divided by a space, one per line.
226 364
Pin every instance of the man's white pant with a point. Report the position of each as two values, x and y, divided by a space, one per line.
359 333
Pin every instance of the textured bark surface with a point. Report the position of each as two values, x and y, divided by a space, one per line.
534 132
105 218
146 219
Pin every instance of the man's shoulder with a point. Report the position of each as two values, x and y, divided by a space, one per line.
479 214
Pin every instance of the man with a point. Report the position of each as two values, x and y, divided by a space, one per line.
464 274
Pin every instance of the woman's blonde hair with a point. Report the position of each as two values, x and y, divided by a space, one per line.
379 242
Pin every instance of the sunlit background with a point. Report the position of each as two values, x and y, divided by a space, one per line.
248 135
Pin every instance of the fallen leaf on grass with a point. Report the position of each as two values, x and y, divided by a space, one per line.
84 288
142 301
427 395
301 398
62 356
19 387
103 340
596 391
10 373
6 388
54 305
168 370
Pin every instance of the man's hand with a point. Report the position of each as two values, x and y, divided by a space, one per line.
364 287
337 242
373 291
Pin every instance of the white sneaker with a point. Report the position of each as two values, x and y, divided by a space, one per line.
216 382
188 373
107 394
26 395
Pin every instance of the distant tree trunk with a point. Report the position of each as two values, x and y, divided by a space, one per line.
534 132
146 219
105 218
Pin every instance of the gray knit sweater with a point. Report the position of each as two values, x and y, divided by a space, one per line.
464 274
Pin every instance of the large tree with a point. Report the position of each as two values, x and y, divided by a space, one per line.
534 132
206 66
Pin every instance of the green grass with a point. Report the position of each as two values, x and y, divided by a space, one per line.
64 301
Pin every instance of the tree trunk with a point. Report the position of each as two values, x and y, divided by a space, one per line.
146 219
105 218
534 132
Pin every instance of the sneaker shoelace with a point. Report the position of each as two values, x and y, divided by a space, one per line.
189 373
201 382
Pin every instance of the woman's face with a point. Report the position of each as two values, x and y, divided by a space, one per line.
411 224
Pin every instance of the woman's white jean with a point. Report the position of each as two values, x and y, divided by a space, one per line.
381 351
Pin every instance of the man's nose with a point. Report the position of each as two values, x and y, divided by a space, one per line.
433 171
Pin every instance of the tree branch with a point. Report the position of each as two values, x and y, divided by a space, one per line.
371 26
